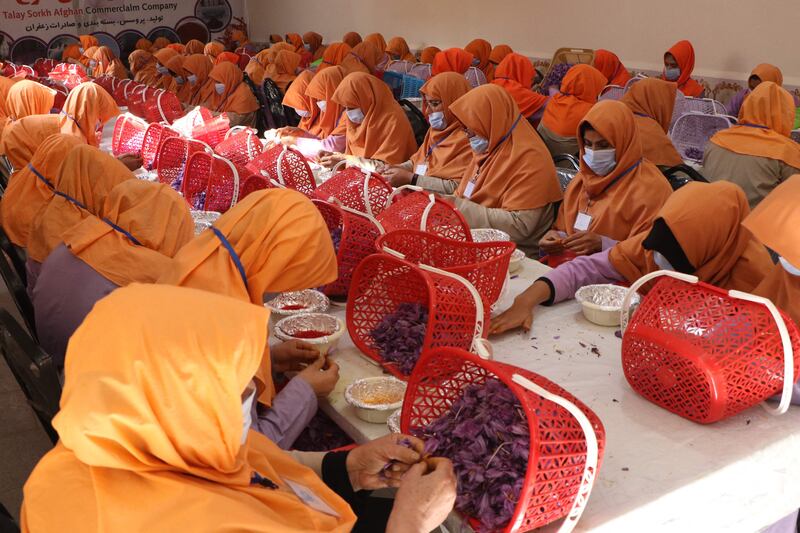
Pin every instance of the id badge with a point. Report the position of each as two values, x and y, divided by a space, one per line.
421 169
469 190
582 222
309 497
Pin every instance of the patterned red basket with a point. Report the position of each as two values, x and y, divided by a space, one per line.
357 189
382 282
707 354
425 212
567 439
153 137
122 90
252 184
357 233
212 132
173 154
241 147
71 75
128 137
165 107
61 92
138 97
211 183
43 66
285 167
106 82
484 264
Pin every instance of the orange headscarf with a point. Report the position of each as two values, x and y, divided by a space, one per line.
143 67
363 57
144 44
624 202
152 213
579 91
161 420
385 133
516 172
88 41
515 74
27 191
428 54
398 46
281 243
652 102
481 48
765 126
767 72
71 51
377 39
5 85
237 97
352 39
275 38
87 176
107 63
161 42
200 66
451 60
239 37
163 57
314 41
194 47
334 55
176 65
446 153
87 105
213 49
322 87
22 137
88 55
284 70
230 57
683 52
265 57
611 67
295 40
28 97
773 222
296 97
499 53
705 219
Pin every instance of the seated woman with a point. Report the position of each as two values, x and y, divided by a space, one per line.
379 41
511 182
313 44
515 74
196 67
617 192
762 72
88 41
352 39
194 47
225 92
175 67
332 119
697 232
25 98
499 53
442 160
71 53
258 64
144 44
377 127
86 111
213 49
87 59
334 55
22 138
163 56
305 106
296 41
241 43
452 60
364 58
143 67
428 54
398 50
678 67
579 91
652 102
758 153
228 57
169 420
161 42
480 50
611 67
108 64
284 69
138 229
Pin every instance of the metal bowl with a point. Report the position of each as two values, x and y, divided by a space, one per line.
295 328
601 304
489 235
297 302
375 399
203 220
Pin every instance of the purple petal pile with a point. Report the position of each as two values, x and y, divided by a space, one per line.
321 435
400 335
555 76
336 237
693 153
485 434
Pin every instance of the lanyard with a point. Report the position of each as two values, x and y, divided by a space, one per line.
613 182
45 180
642 115
72 119
70 199
232 253
128 235
434 145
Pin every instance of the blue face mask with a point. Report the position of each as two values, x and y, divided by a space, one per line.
479 144
179 80
437 120
192 79
219 87
672 74
788 267
662 262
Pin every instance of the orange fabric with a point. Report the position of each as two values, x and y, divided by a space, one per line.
652 101
87 175
705 218
516 172
295 40
71 51
296 97
579 91
87 105
515 74
284 70
144 44
28 97
428 54
377 39
161 42
194 47
397 46
22 137
199 65
88 55
767 72
275 38
271 53
334 55
181 90
237 97
213 49
283 245
5 86
314 40
352 39
451 60
772 108
230 57
499 53
683 52
26 193
611 67
482 49
151 412
143 67
322 87
624 202
362 58
239 37
163 56
385 133
450 153
104 57
153 213
88 41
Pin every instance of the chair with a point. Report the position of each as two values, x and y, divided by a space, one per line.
475 77
634 80
680 175
565 177
18 290
612 92
692 132
7 523
15 254
709 106
274 98
33 369
421 71
569 159
796 135
418 122
264 120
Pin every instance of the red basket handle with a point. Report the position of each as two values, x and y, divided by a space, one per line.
592 450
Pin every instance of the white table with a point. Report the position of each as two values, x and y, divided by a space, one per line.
660 472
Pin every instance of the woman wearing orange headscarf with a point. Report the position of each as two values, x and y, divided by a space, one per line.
304 105
352 39
428 54
88 41
143 67
480 50
697 232
27 98
275 38
579 91
313 43
332 120
377 127
611 198
71 51
758 153
225 92
334 55
108 64
178 47
362 58
762 72
161 42
377 39
162 58
230 57
213 49
515 74
398 50
499 53
86 111
652 102
22 137
178 85
611 67
138 229
297 41
255 68
87 58
442 160
451 60
678 67
144 44
194 47
511 183
196 67
5 85
284 69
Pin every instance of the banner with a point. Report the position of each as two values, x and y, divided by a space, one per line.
30 29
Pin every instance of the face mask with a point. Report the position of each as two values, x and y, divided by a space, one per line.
672 74
356 116
322 105
179 80
475 61
437 120
479 144
247 410
92 63
600 161
662 262
192 79
307 47
162 70
788 267
302 113
219 87
80 49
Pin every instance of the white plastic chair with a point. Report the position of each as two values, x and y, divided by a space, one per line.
692 132
421 71
612 92
475 77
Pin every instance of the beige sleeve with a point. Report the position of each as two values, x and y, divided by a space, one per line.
787 171
312 460
438 185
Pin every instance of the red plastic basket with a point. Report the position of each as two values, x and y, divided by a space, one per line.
363 191
285 167
212 131
252 184
153 137
121 91
165 107
43 66
425 212
173 154
484 264
567 439
241 147
195 182
61 92
129 132
71 75
357 241
138 97
106 82
191 120
211 183
704 353
381 282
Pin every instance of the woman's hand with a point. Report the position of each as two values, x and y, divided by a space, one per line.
319 377
367 464
292 355
551 243
520 314
584 243
398 176
425 498
329 160
132 161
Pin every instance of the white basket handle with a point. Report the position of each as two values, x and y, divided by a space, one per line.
235 130
423 223
335 201
626 302
161 109
235 195
278 163
338 166
788 350
414 188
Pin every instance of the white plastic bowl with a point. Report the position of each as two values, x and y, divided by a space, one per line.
368 396
489 235
288 329
601 304
516 261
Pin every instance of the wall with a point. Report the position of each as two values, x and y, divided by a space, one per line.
729 37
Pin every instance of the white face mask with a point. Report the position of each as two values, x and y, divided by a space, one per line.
307 47
356 116
479 144
302 113
80 49
219 87
162 69
602 162
437 120
247 410
662 262
322 105
476 61
788 267
672 74
192 79
179 80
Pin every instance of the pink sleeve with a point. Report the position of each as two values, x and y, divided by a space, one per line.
334 143
291 411
584 270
